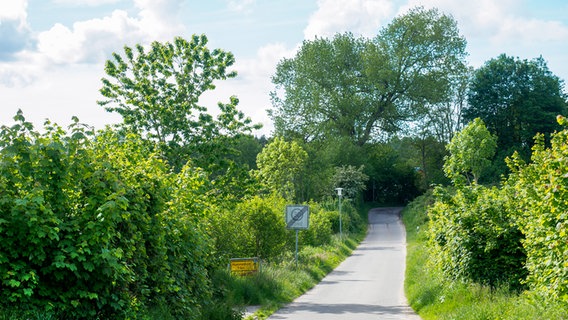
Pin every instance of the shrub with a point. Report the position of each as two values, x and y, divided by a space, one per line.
540 193
97 226
474 238
319 232
265 224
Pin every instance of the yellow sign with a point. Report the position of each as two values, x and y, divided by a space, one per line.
244 266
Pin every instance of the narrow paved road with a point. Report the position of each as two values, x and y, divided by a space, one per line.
367 285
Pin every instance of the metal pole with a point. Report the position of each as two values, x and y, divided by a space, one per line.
297 248
340 222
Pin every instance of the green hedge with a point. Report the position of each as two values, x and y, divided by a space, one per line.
514 235
539 197
473 237
97 226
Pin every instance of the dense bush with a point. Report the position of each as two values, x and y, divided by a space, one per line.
515 234
255 227
540 193
266 225
97 226
474 238
319 232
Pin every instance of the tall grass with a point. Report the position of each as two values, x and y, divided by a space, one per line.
279 283
282 280
434 296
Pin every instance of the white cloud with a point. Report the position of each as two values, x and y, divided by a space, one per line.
252 85
17 74
15 10
263 65
363 17
58 95
91 3
241 5
495 27
159 19
478 17
89 41
516 29
92 41
14 29
499 21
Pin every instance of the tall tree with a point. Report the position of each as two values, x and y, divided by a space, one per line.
280 165
363 88
157 90
351 179
470 153
516 99
444 119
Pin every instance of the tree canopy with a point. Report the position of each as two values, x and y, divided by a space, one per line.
363 88
156 90
516 99
471 151
280 164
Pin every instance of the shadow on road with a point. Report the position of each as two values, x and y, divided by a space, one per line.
348 309
368 284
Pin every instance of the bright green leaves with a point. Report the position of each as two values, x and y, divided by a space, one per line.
474 237
540 193
471 151
359 88
515 234
351 179
280 164
156 90
98 226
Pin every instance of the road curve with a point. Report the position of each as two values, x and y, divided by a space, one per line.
368 284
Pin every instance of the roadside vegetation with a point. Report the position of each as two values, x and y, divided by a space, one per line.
139 220
492 252
280 282
433 295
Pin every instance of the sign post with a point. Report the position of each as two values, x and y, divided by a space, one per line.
339 194
297 218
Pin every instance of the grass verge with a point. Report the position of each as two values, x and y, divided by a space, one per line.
433 296
279 283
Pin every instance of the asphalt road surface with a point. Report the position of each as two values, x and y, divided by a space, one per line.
367 285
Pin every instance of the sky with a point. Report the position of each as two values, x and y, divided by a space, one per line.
52 52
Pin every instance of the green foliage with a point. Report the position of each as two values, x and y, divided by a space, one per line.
539 192
352 219
433 296
348 95
474 238
248 147
351 179
97 226
266 225
392 179
255 227
516 99
280 165
360 88
320 231
415 216
157 90
426 156
514 235
471 151
230 233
